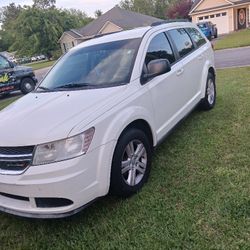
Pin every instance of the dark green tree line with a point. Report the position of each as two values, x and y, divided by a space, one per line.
31 30
155 8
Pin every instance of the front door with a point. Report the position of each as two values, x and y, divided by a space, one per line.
166 90
242 20
6 73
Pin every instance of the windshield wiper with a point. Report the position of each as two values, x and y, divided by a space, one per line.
73 85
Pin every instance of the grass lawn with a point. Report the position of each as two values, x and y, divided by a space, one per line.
234 40
40 65
6 102
197 197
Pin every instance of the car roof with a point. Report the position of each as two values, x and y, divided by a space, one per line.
132 34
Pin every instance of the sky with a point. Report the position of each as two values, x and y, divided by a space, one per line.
89 6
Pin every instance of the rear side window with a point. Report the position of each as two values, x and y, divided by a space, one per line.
182 41
196 36
160 48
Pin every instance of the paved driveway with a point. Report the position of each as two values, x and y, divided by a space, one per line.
40 73
230 58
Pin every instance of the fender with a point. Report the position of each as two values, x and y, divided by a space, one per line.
204 78
110 136
125 118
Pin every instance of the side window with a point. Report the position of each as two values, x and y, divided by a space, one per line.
4 64
182 41
196 36
159 48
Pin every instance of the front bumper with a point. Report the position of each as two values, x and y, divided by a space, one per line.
80 180
7 88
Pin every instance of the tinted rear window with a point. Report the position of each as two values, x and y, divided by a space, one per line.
182 41
159 48
196 36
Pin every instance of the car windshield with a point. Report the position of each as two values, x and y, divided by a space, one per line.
202 25
107 64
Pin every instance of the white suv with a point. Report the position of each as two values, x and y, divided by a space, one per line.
91 125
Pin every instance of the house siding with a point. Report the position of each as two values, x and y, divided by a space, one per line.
206 4
67 42
109 28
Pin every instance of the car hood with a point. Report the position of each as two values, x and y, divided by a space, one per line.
23 68
43 117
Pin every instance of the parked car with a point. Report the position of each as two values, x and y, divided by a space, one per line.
14 77
209 29
91 125
41 57
34 59
23 60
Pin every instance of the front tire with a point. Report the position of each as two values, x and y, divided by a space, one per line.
208 102
131 163
27 85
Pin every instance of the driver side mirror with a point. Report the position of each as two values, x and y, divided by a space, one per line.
12 65
155 68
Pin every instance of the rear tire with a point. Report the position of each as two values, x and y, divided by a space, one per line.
27 85
131 163
208 102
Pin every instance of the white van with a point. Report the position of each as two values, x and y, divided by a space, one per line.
91 125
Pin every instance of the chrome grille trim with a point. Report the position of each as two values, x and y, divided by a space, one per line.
15 156
15 160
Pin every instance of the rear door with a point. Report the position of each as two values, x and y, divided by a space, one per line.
192 60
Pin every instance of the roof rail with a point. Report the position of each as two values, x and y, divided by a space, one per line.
105 34
169 21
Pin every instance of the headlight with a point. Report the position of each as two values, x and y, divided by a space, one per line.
63 149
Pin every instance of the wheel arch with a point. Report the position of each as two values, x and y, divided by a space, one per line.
212 71
207 69
143 125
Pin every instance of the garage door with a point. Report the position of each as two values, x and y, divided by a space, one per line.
221 20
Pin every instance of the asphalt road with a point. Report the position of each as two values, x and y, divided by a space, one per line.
40 73
230 58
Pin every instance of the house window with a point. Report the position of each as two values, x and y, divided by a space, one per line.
206 17
73 45
201 18
218 15
211 16
64 47
224 13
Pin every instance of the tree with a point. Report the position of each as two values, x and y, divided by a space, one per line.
179 10
37 30
148 7
44 4
98 13
8 16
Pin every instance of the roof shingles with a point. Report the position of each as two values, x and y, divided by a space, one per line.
123 18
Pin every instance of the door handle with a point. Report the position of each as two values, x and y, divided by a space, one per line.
200 57
179 72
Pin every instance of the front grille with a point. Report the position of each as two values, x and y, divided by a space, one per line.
15 160
16 150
